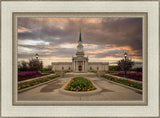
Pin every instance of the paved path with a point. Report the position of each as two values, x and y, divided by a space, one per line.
50 91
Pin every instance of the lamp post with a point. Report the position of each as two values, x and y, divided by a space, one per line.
37 56
37 63
125 56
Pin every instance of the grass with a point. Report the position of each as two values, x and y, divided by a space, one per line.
117 71
111 71
125 82
47 72
80 84
35 82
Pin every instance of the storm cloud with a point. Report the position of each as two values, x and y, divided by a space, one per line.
102 37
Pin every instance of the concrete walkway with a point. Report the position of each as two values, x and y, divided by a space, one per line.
50 91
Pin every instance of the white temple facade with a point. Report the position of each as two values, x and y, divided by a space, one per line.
80 62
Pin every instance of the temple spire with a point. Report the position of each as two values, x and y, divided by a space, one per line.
80 35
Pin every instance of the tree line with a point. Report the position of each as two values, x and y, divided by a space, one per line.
31 65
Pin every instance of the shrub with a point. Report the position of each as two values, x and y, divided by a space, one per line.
24 74
113 68
121 73
132 75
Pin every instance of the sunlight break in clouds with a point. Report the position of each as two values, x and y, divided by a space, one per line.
55 39
33 42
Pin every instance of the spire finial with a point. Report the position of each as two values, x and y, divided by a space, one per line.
80 35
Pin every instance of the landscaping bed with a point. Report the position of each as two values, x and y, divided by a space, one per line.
125 82
29 75
35 82
131 75
80 84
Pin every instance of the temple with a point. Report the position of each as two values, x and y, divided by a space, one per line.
80 62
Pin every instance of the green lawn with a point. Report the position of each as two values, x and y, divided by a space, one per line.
47 72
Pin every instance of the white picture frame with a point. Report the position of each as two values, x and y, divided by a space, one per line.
10 7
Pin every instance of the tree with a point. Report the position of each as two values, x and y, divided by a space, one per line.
125 65
35 64
23 66
48 68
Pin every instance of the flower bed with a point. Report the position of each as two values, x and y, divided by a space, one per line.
80 84
125 82
35 82
30 73
131 75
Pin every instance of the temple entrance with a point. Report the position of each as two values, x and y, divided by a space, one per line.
80 68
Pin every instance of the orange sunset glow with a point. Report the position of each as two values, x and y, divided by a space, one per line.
104 39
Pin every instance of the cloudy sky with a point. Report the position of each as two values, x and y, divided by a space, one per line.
55 39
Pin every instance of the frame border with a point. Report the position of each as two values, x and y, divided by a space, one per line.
143 15
81 0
